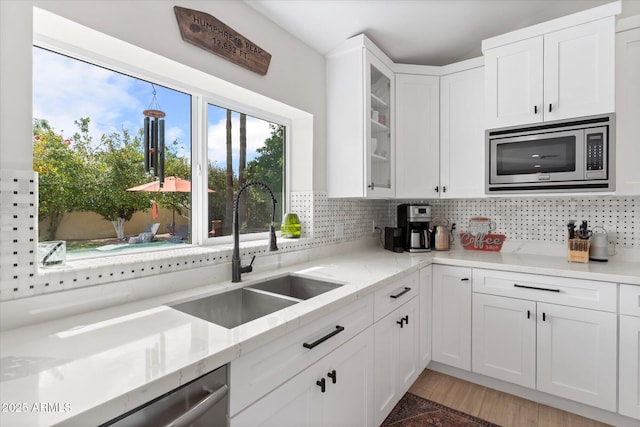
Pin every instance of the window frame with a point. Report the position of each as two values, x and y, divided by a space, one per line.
200 98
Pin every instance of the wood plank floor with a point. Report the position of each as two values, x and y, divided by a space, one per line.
492 405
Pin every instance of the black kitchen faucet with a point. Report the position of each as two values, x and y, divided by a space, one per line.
236 268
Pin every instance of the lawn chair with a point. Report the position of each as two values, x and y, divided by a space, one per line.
181 234
147 235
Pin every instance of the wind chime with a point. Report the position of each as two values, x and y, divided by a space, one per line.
154 139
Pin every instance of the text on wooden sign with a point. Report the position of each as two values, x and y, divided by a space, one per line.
212 35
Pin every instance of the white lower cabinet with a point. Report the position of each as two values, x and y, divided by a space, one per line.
426 296
396 360
561 350
629 379
451 333
337 390
504 339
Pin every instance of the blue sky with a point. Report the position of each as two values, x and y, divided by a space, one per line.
65 89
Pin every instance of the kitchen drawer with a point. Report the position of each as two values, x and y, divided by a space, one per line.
630 300
257 373
555 290
395 294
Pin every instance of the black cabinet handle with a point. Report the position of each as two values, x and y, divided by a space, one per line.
544 317
437 188
403 321
322 385
536 288
464 279
535 109
398 295
549 107
528 314
324 338
333 376
372 186
444 188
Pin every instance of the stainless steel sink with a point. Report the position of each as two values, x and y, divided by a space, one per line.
296 286
234 308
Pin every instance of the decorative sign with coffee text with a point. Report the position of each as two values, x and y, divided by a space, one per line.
482 242
210 34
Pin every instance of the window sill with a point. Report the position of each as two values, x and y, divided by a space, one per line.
145 262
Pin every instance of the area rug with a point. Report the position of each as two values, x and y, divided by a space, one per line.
414 411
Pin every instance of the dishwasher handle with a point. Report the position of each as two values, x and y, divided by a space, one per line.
200 408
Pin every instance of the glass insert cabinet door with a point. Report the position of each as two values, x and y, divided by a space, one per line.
380 152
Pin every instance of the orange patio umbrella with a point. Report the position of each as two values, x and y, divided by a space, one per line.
172 184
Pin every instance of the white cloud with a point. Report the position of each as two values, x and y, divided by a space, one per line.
257 132
66 90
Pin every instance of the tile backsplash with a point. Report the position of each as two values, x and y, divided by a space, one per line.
324 221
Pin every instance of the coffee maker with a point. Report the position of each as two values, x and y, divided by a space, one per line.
414 222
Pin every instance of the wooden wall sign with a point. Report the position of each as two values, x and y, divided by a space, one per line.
210 34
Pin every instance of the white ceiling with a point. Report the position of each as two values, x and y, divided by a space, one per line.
427 32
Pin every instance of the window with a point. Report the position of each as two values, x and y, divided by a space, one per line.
94 191
241 148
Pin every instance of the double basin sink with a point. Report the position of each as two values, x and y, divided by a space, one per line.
233 308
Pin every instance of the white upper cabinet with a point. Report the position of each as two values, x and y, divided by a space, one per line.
551 73
628 106
513 83
417 148
462 134
579 70
360 121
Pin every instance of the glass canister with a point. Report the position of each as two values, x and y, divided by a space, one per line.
290 226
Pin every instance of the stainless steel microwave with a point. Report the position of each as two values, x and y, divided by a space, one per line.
575 155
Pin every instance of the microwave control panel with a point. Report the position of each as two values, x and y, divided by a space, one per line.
595 151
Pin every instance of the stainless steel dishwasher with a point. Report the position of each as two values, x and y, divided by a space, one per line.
202 402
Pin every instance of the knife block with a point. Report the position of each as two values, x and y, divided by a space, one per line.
578 250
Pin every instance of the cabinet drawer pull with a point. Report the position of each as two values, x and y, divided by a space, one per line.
322 385
528 314
535 109
436 188
549 107
544 317
536 288
333 376
401 323
324 338
464 279
398 295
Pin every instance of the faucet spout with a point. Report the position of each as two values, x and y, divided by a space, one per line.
236 266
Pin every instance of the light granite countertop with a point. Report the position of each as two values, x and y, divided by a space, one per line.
88 368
